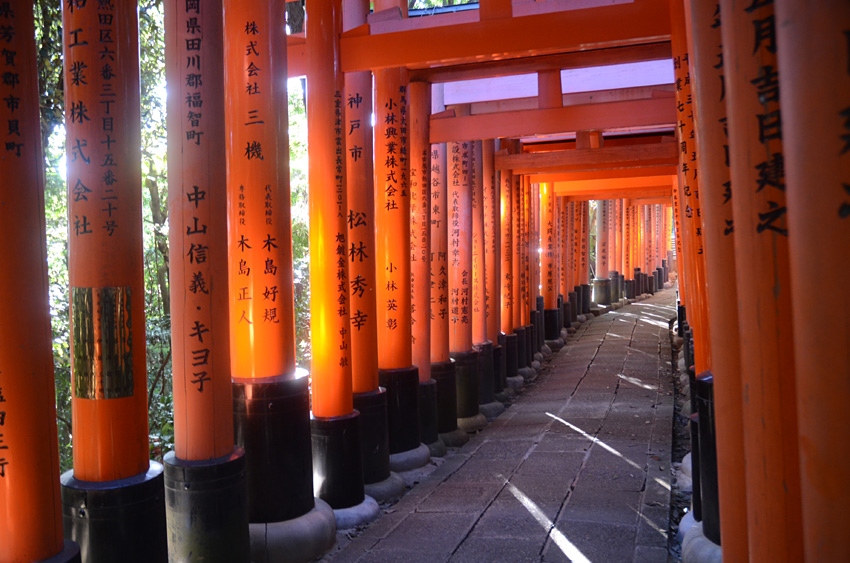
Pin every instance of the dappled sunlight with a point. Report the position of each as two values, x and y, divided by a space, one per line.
566 546
606 447
638 382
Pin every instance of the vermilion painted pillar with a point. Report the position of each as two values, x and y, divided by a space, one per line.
768 374
482 183
517 268
508 298
270 397
564 259
526 279
442 365
460 161
337 462
420 260
205 470
109 383
392 204
31 526
814 80
549 262
584 263
493 262
601 285
722 290
627 240
370 399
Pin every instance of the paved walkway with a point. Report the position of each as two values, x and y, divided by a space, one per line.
577 469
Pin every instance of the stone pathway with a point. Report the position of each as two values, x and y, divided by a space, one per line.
578 469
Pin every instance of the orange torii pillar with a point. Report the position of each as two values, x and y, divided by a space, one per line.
493 265
614 207
507 297
460 157
442 365
602 283
270 396
113 501
626 250
768 372
420 261
482 182
718 230
335 424
31 526
526 304
523 362
205 474
370 399
535 304
392 207
584 256
573 296
818 175
563 247
549 242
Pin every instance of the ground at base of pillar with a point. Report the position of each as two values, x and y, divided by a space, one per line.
491 410
298 540
437 448
580 319
554 345
411 459
546 350
507 395
514 383
454 439
685 524
387 490
357 515
528 373
536 364
596 311
696 548
70 554
565 333
472 424
668 285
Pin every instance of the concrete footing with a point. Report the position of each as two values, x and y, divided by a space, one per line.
696 548
527 373
472 424
454 439
491 410
515 382
437 448
298 540
555 345
357 515
389 489
411 459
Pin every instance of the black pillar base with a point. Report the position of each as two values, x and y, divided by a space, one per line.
602 291
70 554
521 344
529 344
337 464
499 365
659 279
536 330
511 367
486 367
121 520
206 508
638 282
444 374
466 380
696 478
614 276
680 310
708 457
374 437
622 284
630 289
551 326
428 412
585 299
271 422
573 306
402 387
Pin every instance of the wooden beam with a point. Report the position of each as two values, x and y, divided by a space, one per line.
605 173
615 183
656 192
561 61
652 200
637 113
408 43
582 159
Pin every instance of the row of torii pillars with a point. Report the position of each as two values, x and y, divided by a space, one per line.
423 291
776 375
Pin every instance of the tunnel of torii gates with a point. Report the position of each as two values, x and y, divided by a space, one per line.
449 242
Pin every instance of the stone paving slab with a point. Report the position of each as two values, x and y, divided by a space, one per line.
577 469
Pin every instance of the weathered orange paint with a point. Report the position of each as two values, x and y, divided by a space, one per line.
479 272
203 396
328 203
516 261
420 226
492 242
105 247
31 526
814 81
548 242
584 241
262 321
720 275
439 244
764 283
361 216
507 250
